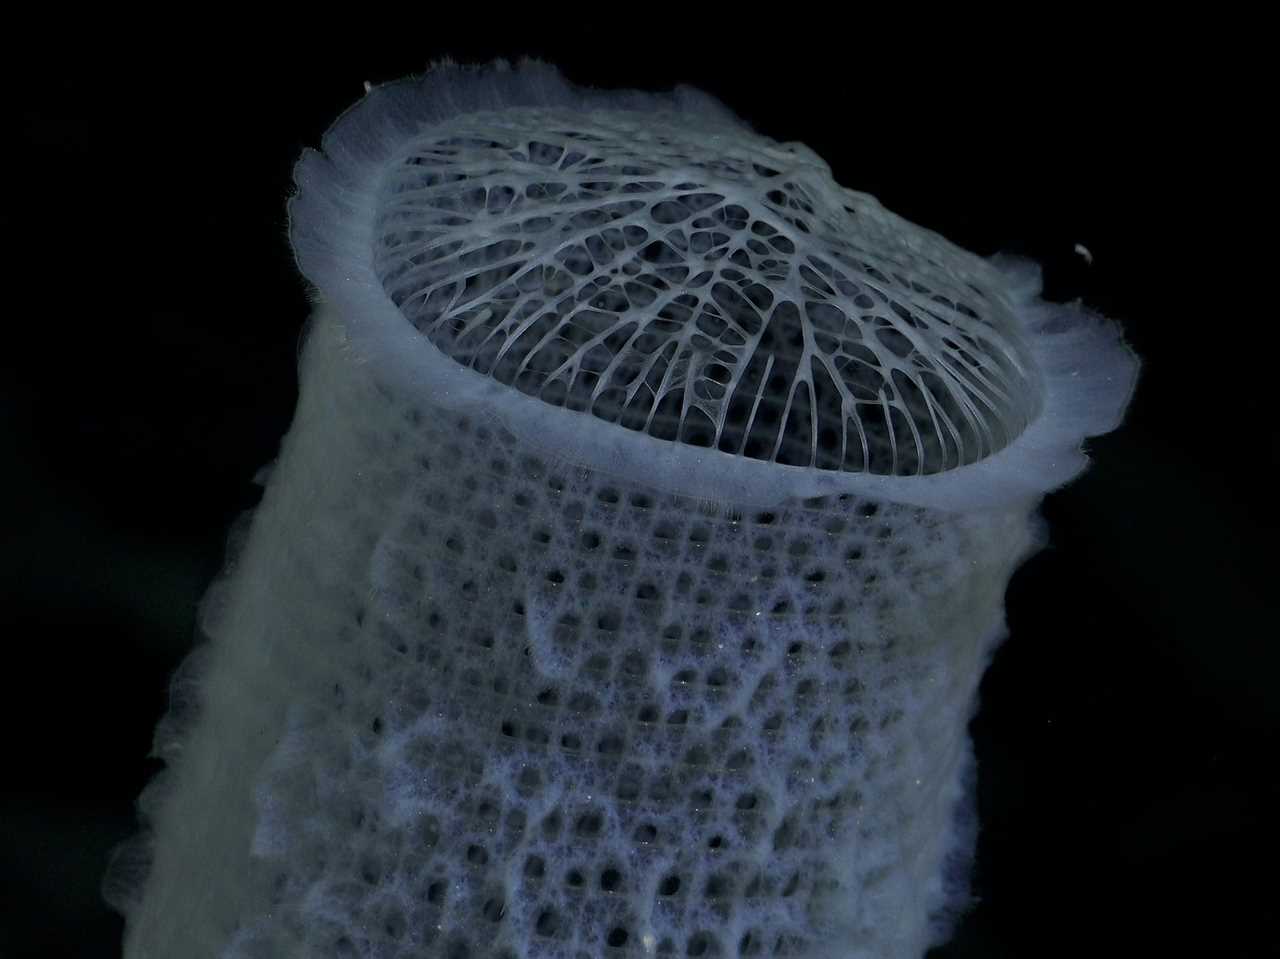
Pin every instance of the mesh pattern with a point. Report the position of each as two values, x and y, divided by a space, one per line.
713 291
476 689
572 719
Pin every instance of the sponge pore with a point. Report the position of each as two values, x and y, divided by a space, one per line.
718 291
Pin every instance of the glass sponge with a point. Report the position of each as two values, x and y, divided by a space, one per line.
626 577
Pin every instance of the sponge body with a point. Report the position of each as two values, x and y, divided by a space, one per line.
495 675
449 674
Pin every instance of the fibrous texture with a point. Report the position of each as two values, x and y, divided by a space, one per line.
715 291
626 578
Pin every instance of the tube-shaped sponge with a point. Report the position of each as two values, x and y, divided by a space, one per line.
626 577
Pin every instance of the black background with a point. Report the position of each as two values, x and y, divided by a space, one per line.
1127 733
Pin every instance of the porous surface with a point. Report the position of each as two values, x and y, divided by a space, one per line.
514 663
553 715
715 289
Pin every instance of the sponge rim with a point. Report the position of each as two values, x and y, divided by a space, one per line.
1086 371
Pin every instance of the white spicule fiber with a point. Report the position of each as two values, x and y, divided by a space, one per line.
651 278
512 664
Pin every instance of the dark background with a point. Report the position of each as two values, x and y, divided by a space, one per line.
1127 733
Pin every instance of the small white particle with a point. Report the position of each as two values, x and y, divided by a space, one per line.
1083 251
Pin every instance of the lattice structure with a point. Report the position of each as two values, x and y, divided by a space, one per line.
628 572
570 718
701 290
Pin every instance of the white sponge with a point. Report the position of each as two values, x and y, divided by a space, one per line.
626 578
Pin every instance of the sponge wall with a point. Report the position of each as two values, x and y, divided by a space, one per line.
462 700
187 881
